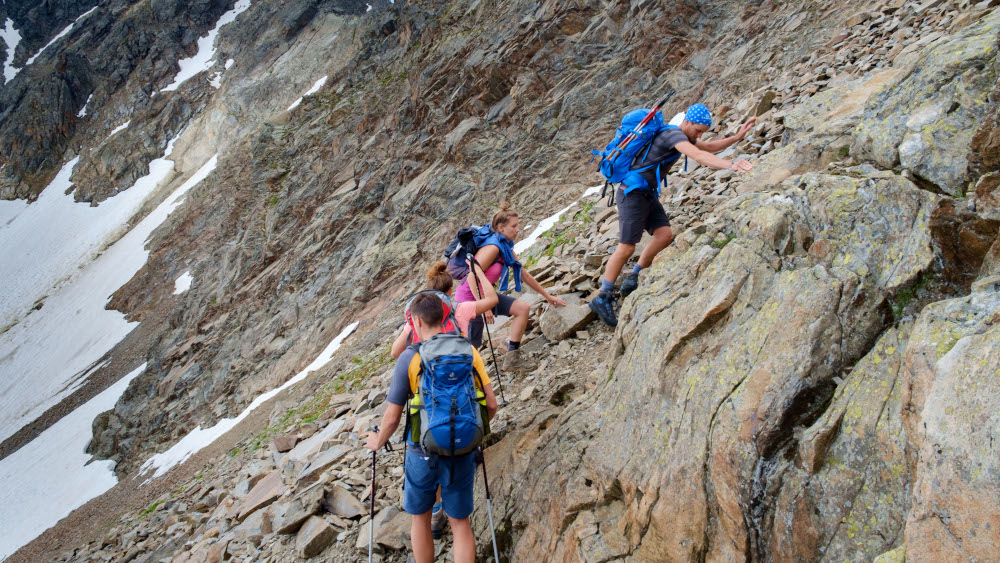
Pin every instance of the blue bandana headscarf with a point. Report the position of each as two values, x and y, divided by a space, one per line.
699 114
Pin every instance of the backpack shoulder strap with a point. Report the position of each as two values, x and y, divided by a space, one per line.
415 368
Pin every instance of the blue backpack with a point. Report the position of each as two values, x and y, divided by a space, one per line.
617 169
450 405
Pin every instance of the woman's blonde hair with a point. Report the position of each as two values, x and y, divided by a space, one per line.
438 277
503 216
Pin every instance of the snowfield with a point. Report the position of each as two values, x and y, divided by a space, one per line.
42 354
49 478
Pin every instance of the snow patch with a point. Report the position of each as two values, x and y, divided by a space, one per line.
199 438
592 190
548 222
41 354
543 226
59 35
369 7
83 110
183 283
11 37
315 88
50 477
121 127
229 63
204 58
216 80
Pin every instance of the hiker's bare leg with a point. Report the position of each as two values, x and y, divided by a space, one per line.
617 261
662 237
421 538
519 310
464 549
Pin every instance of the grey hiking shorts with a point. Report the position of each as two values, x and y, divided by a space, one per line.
638 211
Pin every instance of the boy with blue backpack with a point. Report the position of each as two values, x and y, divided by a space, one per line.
642 165
443 380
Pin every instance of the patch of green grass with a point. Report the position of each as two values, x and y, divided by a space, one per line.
562 239
235 452
905 296
722 243
583 215
530 262
611 374
272 200
146 511
844 152
360 369
388 77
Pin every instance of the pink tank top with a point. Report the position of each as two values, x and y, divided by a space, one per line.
463 293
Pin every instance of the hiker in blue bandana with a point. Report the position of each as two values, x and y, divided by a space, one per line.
497 258
639 207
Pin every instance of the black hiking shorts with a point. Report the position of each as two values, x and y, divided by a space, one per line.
501 309
638 211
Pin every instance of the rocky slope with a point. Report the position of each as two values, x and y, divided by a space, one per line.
802 375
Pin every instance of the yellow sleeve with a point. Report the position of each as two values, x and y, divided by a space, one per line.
480 367
414 371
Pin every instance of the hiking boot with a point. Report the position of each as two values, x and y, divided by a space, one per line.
513 361
604 306
631 282
438 521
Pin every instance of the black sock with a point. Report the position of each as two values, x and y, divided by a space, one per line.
511 345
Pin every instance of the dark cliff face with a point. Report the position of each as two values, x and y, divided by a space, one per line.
115 58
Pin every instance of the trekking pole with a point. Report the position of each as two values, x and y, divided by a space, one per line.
489 507
638 128
371 522
489 338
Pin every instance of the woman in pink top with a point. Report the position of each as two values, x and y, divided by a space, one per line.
489 256
439 279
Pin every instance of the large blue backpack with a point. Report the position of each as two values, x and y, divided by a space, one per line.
617 168
449 404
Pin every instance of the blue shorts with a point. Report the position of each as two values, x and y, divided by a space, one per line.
422 482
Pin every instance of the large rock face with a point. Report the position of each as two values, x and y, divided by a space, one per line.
925 120
847 494
723 355
775 392
950 396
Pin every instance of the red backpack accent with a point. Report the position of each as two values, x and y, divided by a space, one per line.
449 325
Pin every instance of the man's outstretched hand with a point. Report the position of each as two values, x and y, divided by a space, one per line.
746 127
742 166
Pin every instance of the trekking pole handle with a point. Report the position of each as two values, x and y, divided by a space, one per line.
374 428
